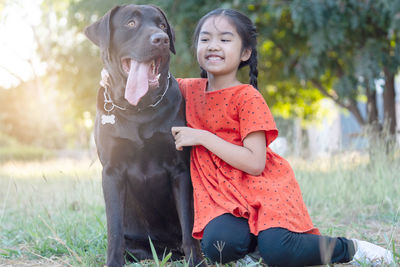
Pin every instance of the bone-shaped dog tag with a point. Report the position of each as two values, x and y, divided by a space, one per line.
107 119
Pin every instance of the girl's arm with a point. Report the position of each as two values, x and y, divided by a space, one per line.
250 157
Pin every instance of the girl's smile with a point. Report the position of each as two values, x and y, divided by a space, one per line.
216 58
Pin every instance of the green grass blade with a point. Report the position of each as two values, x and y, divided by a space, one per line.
153 251
165 259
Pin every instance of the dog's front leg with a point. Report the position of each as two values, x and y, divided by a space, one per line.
182 189
114 196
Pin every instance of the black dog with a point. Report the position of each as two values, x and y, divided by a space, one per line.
146 182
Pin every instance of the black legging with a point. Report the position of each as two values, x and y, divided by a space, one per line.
228 238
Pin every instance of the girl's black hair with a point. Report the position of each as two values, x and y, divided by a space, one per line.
247 32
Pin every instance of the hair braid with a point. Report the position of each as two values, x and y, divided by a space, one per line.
203 73
253 72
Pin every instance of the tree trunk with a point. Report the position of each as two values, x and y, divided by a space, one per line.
353 108
389 103
374 129
372 110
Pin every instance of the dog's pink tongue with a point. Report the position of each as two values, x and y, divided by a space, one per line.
137 84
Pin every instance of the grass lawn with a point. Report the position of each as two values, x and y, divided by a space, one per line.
52 212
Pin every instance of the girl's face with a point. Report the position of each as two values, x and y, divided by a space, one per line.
219 47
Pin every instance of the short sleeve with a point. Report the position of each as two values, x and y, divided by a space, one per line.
254 115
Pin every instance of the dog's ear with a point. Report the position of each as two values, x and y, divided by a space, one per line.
170 30
99 32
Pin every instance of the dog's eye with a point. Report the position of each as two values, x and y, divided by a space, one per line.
131 23
163 26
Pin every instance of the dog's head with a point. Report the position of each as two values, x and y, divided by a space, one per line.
135 41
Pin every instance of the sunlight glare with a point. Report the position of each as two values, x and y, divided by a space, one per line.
18 59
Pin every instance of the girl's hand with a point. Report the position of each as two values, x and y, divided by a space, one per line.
186 136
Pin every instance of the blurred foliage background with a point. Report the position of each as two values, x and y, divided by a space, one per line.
308 50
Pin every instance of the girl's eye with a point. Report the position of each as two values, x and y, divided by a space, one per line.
131 24
203 40
163 26
225 40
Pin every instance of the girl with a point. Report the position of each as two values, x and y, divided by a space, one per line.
245 195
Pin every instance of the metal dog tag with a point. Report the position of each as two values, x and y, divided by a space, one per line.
107 119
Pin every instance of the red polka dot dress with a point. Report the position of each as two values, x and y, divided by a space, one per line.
272 199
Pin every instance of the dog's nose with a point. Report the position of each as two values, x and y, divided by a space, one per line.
159 39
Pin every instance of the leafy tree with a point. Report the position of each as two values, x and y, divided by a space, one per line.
342 48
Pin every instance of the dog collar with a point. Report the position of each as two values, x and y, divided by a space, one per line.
109 105
161 96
